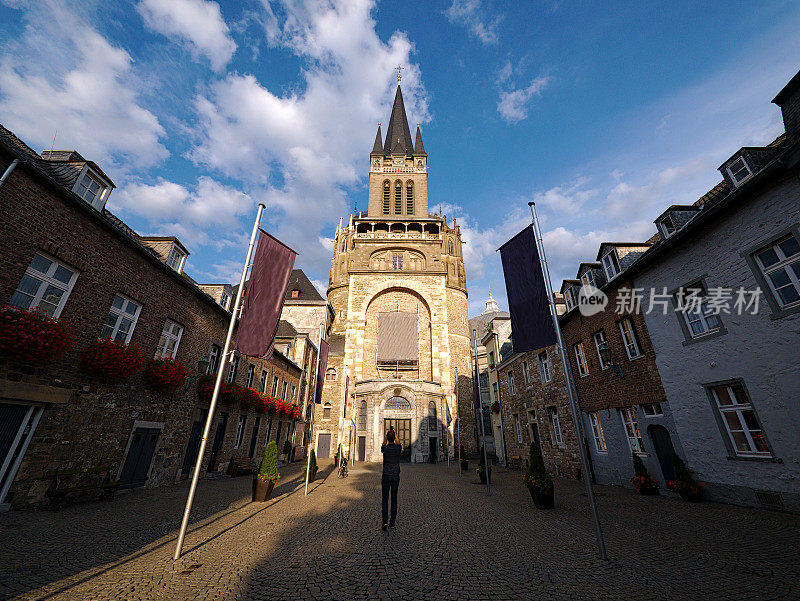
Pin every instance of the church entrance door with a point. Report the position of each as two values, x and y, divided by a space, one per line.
402 429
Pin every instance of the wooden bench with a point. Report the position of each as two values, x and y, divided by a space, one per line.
59 488
514 462
239 466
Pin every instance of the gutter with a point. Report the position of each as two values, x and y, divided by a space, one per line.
8 171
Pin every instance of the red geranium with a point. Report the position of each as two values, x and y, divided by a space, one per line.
205 388
113 360
231 394
31 336
165 374
296 412
251 401
267 402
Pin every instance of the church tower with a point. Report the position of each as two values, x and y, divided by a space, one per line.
399 294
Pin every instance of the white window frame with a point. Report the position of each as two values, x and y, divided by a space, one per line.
46 280
652 409
599 338
532 422
597 433
611 266
120 315
275 381
525 373
555 422
737 408
233 368
518 427
580 357
225 300
545 367
294 392
251 375
631 427
571 298
729 169
629 339
784 264
662 225
262 385
240 428
214 352
168 335
588 279
98 201
176 253
512 390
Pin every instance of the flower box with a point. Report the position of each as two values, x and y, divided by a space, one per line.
111 360
165 374
31 336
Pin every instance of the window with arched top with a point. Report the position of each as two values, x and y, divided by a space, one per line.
326 411
330 373
431 416
362 416
398 198
409 197
387 192
398 403
344 244
450 248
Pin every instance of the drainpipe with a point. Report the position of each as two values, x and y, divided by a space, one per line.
8 171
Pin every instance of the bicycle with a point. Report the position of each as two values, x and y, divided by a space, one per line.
342 468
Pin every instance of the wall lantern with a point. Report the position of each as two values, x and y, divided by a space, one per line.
607 358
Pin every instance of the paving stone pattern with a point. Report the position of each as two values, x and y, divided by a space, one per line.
452 542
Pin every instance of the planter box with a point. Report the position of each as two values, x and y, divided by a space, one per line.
542 501
262 491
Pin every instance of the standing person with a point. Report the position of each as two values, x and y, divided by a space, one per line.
391 477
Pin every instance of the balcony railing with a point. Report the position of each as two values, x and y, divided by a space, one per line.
398 236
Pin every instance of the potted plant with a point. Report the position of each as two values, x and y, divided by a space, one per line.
165 374
464 460
538 481
264 481
312 462
111 360
482 470
644 484
684 483
32 336
337 456
287 450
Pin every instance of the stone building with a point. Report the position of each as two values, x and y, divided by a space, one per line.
398 292
64 253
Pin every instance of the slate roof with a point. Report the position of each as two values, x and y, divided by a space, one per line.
377 147
299 281
418 147
285 330
479 322
398 135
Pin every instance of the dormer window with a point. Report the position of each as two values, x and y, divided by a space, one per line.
176 258
588 280
225 300
739 171
611 264
91 188
570 298
295 293
667 226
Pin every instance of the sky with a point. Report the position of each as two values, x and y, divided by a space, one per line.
602 113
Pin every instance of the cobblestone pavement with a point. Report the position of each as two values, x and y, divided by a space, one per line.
452 542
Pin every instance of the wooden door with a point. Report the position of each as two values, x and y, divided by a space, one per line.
140 456
402 430
362 448
324 446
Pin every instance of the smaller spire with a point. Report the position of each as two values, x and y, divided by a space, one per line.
377 147
418 147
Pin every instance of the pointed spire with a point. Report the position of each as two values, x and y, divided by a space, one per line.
398 135
377 147
418 147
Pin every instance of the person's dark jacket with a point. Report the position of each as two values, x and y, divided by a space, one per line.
391 459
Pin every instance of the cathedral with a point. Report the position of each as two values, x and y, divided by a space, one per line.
399 340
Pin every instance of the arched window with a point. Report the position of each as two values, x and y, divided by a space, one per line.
451 248
326 411
344 244
398 403
409 198
431 416
398 198
387 192
362 416
330 373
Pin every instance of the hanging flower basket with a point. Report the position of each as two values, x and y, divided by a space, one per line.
231 394
495 407
267 403
165 374
111 360
296 412
251 401
205 388
31 336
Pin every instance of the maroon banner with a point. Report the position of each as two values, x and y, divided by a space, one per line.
323 365
264 295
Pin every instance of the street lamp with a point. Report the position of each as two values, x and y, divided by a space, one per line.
607 359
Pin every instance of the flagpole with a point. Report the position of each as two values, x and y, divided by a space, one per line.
458 425
480 409
314 407
217 385
571 391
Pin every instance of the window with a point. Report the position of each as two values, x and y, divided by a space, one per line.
295 293
491 358
176 258
697 313
121 320
285 388
631 427
170 339
517 427
552 413
667 226
611 264
580 357
251 375
387 192
294 392
344 244
740 421
739 171
525 373
780 265
571 298
511 389
451 249
45 286
268 431
397 261
90 188
262 386
225 300
326 411
213 359
597 433
233 368
588 279
544 367
330 374
652 409
599 340
362 416
494 390
240 427
431 416
409 198
398 199
629 338
274 386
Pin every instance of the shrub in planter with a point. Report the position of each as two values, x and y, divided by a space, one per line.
111 360
684 483
264 481
538 481
644 484
482 470
311 465
165 374
31 336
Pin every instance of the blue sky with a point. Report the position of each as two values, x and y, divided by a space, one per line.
604 113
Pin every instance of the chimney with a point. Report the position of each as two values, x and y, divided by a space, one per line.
789 101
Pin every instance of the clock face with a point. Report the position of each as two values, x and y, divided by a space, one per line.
400 161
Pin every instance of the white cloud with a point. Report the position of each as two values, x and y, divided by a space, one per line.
513 104
198 23
567 198
63 76
472 15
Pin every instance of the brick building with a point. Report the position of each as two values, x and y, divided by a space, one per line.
64 253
